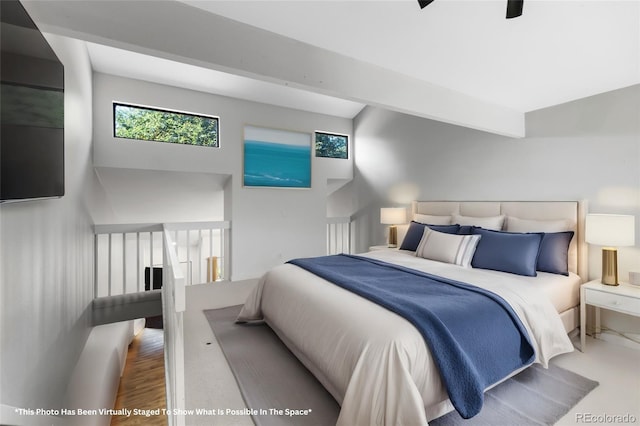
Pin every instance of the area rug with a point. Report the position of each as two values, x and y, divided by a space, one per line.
272 381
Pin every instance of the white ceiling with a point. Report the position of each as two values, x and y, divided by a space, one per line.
557 51
457 61
125 63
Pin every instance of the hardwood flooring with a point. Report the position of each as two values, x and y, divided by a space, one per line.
142 385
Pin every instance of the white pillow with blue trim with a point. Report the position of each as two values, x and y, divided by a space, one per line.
447 248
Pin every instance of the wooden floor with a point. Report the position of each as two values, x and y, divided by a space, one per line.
142 384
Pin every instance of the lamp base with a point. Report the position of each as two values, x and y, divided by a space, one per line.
610 266
393 236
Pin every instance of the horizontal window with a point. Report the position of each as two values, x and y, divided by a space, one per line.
152 124
330 145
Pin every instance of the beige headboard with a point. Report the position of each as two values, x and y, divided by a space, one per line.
533 210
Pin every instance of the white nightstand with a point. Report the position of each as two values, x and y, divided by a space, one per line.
623 298
385 247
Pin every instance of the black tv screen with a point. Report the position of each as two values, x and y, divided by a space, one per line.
32 110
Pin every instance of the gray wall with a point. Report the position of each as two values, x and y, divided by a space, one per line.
47 262
586 149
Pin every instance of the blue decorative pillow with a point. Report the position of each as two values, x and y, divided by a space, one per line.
554 252
467 229
512 252
416 230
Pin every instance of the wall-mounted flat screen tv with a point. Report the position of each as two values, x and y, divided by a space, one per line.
32 110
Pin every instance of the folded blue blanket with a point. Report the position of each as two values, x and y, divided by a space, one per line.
474 336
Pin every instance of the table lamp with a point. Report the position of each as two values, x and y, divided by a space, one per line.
393 216
610 231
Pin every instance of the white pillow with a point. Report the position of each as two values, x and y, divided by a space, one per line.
489 222
428 219
447 248
515 224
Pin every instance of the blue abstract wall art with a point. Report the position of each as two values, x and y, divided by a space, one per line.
276 158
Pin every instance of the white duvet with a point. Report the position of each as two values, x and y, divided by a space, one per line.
374 362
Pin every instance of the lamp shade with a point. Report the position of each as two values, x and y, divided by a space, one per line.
393 215
613 230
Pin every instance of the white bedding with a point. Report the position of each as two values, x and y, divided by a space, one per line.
563 291
374 362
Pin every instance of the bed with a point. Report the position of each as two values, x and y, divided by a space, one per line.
374 362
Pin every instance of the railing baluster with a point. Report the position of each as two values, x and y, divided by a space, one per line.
151 260
223 257
109 267
124 263
209 259
199 256
331 227
225 253
188 257
210 242
138 261
345 233
328 237
177 243
95 266
334 238
162 248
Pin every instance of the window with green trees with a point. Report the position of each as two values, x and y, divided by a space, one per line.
152 124
332 146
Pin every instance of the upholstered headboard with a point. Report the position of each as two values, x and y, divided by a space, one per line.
574 211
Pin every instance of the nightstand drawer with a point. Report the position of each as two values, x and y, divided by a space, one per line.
612 301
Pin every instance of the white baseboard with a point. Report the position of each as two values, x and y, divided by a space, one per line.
619 340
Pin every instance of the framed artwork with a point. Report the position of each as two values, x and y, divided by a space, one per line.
331 145
276 158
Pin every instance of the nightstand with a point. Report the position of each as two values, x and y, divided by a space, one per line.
385 247
623 298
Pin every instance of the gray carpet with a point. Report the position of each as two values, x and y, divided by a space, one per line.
269 376
534 397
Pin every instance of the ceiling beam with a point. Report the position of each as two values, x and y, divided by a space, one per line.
179 32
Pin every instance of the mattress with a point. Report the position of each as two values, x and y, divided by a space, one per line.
374 362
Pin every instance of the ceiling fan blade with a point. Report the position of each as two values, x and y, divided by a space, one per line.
514 8
424 3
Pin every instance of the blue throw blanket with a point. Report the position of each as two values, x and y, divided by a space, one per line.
474 336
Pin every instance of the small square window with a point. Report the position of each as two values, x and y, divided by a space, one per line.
330 145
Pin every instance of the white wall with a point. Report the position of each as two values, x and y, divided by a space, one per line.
47 262
150 196
587 149
269 226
